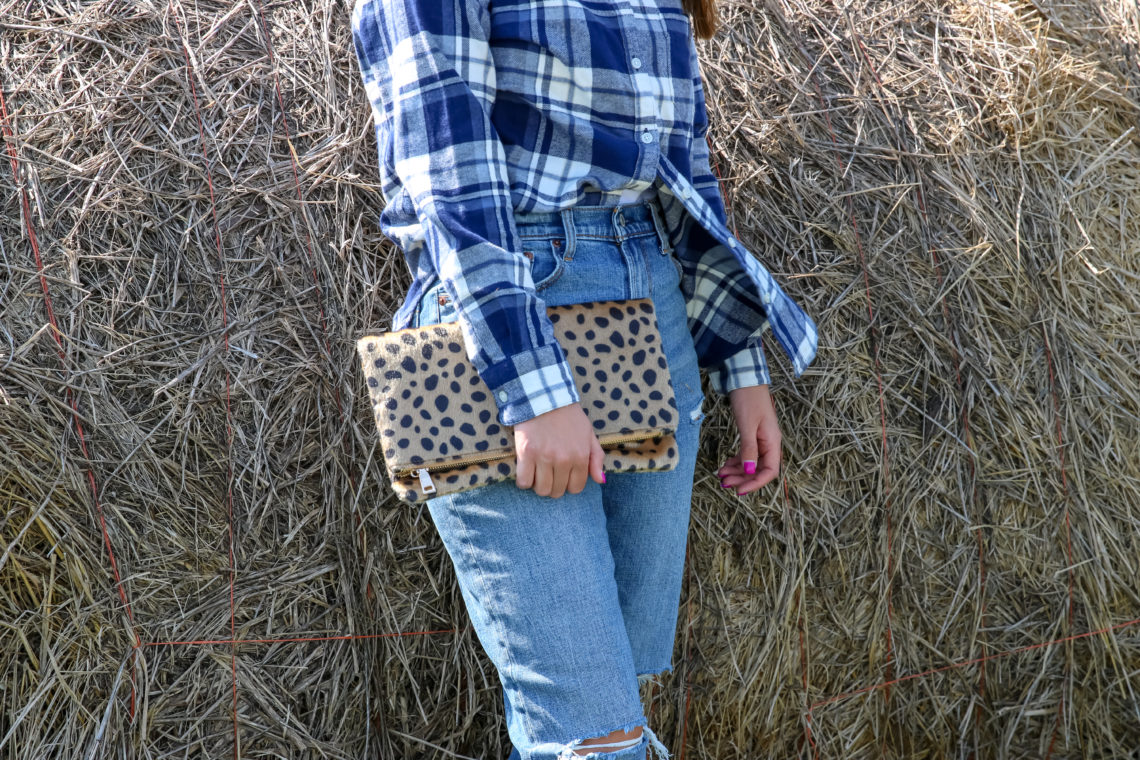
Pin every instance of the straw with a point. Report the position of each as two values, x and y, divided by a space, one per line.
947 567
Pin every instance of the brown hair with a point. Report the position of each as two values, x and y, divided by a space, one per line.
704 16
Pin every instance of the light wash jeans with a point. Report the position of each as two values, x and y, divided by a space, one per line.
573 598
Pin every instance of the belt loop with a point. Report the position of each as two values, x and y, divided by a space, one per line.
568 228
659 222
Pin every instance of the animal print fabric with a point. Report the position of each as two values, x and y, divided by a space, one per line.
433 411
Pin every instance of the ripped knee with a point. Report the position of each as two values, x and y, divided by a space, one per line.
615 741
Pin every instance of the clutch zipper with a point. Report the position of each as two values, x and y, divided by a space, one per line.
446 465
428 486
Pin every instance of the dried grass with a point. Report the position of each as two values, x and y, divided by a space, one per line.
967 172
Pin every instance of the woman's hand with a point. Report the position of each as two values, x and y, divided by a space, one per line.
759 441
557 451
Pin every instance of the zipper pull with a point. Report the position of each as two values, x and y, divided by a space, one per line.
425 481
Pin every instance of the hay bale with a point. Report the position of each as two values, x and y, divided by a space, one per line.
951 188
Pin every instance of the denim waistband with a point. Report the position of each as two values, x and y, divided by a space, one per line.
612 222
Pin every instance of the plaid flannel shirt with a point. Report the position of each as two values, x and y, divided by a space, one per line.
536 105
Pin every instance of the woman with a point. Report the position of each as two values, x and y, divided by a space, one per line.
535 153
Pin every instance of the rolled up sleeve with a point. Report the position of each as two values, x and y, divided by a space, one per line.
430 78
745 368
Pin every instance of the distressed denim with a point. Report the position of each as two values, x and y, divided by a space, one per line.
574 598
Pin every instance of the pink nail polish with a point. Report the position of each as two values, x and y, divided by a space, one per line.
725 485
749 467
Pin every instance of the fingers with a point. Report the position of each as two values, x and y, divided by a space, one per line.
732 474
524 468
749 448
562 474
562 471
730 469
550 476
743 484
758 462
557 452
544 477
770 458
745 477
597 459
582 471
577 478
591 468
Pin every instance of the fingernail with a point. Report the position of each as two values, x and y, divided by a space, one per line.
603 477
725 485
749 467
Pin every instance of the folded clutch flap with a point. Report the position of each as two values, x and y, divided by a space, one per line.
433 410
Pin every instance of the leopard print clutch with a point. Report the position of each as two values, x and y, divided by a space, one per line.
438 424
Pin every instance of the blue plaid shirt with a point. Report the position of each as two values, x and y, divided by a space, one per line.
537 105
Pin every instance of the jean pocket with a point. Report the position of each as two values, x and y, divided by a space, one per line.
545 254
435 307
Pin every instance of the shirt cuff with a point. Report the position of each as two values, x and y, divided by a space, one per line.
531 383
745 368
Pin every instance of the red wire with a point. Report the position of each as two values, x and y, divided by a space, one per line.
71 399
957 355
310 254
981 548
879 380
226 340
297 184
968 438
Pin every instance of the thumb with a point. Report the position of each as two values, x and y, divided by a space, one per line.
597 459
749 450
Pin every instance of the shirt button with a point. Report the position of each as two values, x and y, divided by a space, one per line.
636 62
502 395
647 137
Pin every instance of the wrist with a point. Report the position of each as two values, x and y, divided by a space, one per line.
531 383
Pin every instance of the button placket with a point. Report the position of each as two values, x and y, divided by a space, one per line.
635 28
